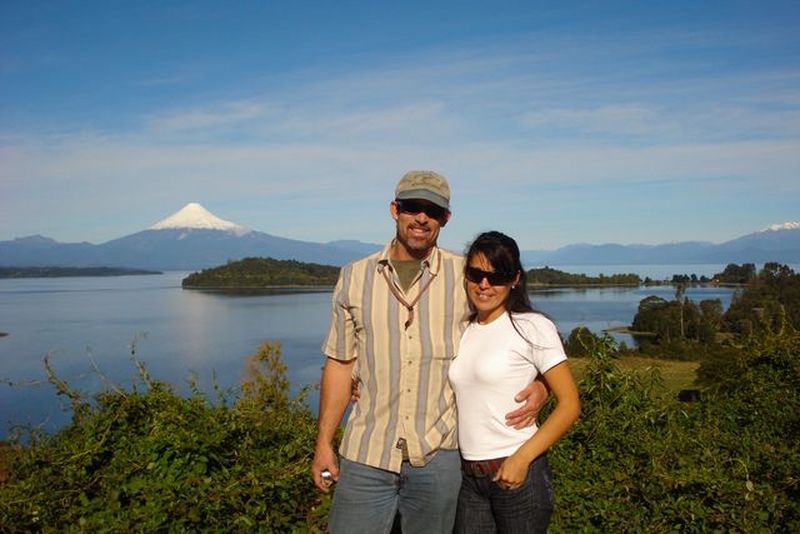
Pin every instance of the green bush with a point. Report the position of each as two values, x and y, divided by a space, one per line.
148 460
638 463
581 342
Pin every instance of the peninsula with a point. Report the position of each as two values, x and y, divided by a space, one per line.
63 272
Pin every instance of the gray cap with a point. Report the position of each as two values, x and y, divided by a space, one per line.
425 185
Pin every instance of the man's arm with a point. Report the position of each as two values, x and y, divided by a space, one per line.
535 395
334 395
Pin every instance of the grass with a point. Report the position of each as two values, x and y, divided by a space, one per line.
677 374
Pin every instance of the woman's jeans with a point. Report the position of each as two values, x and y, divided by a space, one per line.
366 499
483 506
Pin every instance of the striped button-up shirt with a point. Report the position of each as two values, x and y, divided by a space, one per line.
401 371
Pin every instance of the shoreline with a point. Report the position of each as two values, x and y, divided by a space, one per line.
284 287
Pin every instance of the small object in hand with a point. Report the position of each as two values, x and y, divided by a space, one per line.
326 476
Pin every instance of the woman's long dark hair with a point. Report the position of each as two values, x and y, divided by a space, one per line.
503 253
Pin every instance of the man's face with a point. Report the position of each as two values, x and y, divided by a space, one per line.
417 231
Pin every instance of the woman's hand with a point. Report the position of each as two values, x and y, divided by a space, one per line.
512 472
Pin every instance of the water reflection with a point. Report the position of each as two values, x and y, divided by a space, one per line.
261 292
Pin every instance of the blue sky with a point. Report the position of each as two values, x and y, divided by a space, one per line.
596 122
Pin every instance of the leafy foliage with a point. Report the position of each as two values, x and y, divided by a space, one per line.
148 460
769 301
736 274
678 326
263 272
581 342
636 463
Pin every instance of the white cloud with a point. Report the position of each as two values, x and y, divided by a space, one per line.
628 118
226 114
511 119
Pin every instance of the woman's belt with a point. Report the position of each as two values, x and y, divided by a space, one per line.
481 468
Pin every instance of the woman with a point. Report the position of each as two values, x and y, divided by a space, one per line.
505 477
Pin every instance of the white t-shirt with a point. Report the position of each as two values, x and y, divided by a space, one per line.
493 364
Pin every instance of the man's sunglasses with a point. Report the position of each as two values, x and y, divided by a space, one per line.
414 207
476 276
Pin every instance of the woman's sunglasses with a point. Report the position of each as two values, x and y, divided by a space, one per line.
414 207
476 276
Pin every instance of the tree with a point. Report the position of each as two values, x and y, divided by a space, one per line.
680 292
735 274
769 302
581 341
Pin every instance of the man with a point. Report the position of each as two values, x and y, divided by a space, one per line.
396 322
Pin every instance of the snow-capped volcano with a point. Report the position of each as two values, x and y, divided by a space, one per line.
793 225
195 216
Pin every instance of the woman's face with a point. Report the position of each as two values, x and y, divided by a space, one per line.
488 300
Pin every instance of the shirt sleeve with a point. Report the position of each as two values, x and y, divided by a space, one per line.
340 343
546 349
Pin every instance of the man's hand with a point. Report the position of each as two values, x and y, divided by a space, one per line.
335 390
324 458
535 395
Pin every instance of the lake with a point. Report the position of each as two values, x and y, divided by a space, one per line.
80 323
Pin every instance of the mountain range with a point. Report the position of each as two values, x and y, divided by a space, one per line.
194 238
778 242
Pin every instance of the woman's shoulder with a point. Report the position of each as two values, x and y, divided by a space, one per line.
535 323
535 318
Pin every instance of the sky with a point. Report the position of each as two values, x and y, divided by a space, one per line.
555 122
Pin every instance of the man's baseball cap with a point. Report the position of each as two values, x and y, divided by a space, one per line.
425 185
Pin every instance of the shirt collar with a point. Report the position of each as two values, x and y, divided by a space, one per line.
431 261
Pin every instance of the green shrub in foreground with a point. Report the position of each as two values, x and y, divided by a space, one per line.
638 463
151 460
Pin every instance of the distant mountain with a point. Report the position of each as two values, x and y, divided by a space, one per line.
776 241
780 242
192 238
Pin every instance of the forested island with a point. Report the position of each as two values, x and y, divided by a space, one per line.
256 273
63 272
547 276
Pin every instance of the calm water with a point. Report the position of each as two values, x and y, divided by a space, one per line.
81 322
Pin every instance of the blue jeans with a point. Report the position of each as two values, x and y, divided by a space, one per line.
483 506
366 498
